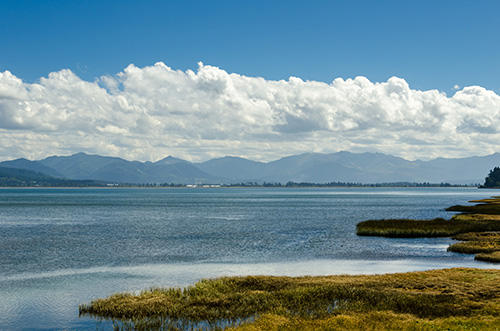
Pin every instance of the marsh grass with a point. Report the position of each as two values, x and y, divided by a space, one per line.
475 246
492 257
478 227
482 217
478 236
438 227
366 302
383 320
492 207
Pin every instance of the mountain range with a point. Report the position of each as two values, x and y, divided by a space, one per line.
309 167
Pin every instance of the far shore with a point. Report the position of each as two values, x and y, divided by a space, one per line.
243 185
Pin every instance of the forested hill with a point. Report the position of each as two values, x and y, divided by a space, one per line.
12 177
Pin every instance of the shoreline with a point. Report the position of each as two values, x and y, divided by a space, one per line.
416 300
477 227
422 300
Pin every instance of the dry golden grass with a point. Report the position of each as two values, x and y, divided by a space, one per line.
373 321
490 207
478 236
486 245
407 228
476 217
408 301
475 246
488 200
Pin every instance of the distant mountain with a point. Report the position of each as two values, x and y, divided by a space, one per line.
309 167
31 165
234 168
114 169
171 160
15 177
324 168
465 170
350 167
80 165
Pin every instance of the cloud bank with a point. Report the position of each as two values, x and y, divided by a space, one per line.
148 113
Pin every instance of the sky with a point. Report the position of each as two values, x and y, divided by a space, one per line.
256 79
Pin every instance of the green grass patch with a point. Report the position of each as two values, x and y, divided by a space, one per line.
436 297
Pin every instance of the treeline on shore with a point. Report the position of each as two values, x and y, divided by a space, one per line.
13 177
300 184
350 184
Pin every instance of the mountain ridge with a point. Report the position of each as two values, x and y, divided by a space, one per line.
342 166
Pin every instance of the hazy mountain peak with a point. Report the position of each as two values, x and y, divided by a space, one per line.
171 160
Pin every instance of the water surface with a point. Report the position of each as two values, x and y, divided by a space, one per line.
63 247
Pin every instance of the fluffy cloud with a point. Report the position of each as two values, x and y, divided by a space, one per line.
148 113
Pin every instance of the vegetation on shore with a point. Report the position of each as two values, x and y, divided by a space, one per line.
478 227
467 299
493 179
486 245
16 177
13 177
438 227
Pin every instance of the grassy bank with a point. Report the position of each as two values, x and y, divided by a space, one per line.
478 227
465 299
408 228
482 217
486 245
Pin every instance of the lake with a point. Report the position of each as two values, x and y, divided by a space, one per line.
63 247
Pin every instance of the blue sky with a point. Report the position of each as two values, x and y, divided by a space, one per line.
257 79
431 44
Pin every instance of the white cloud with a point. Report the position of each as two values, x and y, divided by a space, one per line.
148 113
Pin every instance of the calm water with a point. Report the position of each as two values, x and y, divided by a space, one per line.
63 247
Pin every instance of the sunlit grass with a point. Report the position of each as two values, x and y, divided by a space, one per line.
482 217
492 257
492 206
475 246
409 301
478 227
408 228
